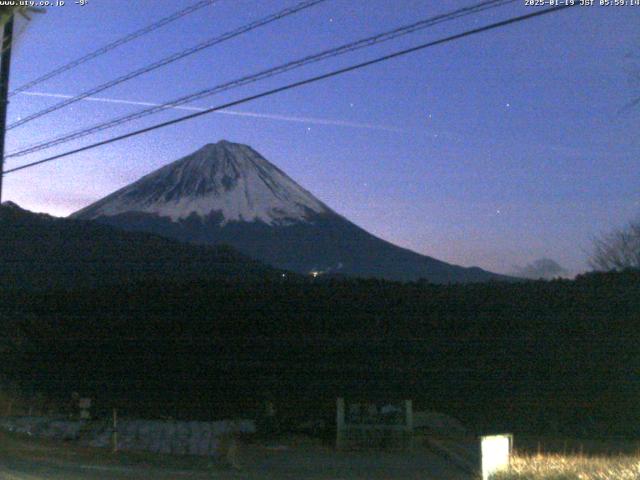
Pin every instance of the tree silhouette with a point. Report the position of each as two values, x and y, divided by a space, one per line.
618 250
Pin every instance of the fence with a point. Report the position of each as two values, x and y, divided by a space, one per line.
175 437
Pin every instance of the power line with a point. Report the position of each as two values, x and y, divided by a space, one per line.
300 83
363 43
171 58
323 55
101 51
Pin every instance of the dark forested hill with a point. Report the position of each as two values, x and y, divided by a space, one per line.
38 251
553 356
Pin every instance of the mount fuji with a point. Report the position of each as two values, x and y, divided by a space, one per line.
227 193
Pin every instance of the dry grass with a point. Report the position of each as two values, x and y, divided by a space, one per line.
572 467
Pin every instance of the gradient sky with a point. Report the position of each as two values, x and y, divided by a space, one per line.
495 150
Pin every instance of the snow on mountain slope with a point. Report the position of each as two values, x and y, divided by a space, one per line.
228 194
226 178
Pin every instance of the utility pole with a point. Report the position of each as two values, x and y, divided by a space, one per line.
5 66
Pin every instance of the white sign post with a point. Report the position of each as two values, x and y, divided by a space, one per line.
495 451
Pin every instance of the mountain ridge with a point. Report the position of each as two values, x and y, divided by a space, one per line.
227 193
42 251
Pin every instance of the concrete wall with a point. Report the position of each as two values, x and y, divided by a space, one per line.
174 437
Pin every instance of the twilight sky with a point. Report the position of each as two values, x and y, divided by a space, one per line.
495 150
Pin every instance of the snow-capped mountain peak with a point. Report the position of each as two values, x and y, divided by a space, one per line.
225 178
228 194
